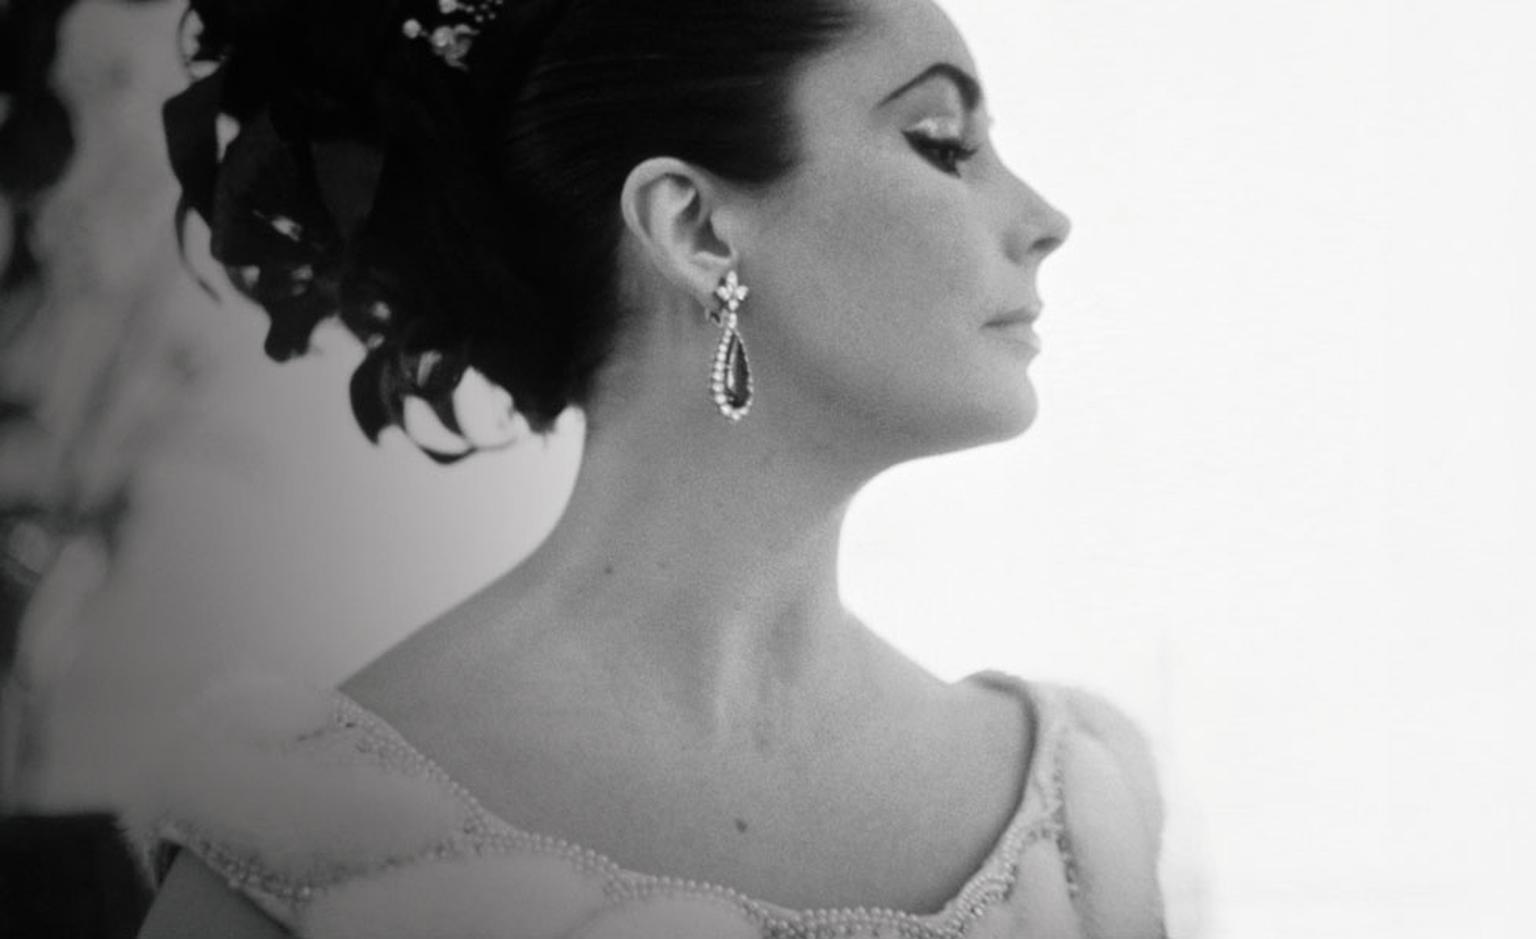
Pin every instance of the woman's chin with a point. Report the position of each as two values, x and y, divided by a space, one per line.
1007 416
1018 422
1012 412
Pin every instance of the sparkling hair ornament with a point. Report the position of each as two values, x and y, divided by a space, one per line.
452 39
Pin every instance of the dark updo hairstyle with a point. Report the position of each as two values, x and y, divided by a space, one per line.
467 218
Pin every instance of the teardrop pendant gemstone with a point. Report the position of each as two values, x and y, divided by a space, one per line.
738 376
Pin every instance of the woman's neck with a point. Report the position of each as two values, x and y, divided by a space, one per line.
699 559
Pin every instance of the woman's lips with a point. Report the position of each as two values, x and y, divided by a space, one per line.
1027 314
1016 331
1017 326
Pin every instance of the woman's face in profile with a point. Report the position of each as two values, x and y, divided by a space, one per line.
892 271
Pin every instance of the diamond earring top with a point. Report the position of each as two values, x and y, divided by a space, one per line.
451 41
731 293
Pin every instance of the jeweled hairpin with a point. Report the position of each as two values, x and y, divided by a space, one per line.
451 41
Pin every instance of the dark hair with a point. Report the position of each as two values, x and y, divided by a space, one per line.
468 218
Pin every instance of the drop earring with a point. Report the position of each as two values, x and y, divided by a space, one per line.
731 377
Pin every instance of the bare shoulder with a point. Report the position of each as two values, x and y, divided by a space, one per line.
194 902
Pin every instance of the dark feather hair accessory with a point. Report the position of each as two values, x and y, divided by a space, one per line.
321 98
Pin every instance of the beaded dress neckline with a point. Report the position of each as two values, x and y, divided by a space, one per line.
1037 816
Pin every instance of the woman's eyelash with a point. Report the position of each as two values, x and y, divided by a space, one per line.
947 153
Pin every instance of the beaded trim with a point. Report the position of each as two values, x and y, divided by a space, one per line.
1061 832
485 834
241 872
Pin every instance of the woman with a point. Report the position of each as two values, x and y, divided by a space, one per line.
767 248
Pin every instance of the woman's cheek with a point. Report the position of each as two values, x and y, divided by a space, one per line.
908 245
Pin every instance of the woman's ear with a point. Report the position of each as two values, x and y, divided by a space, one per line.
674 213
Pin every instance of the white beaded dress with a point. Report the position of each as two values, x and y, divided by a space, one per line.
334 825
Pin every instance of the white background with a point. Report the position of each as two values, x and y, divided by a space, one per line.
1276 503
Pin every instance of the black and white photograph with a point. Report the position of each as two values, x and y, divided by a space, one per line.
767 469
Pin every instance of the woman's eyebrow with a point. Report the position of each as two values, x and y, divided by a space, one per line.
970 88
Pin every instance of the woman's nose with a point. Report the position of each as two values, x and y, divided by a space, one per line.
1036 227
